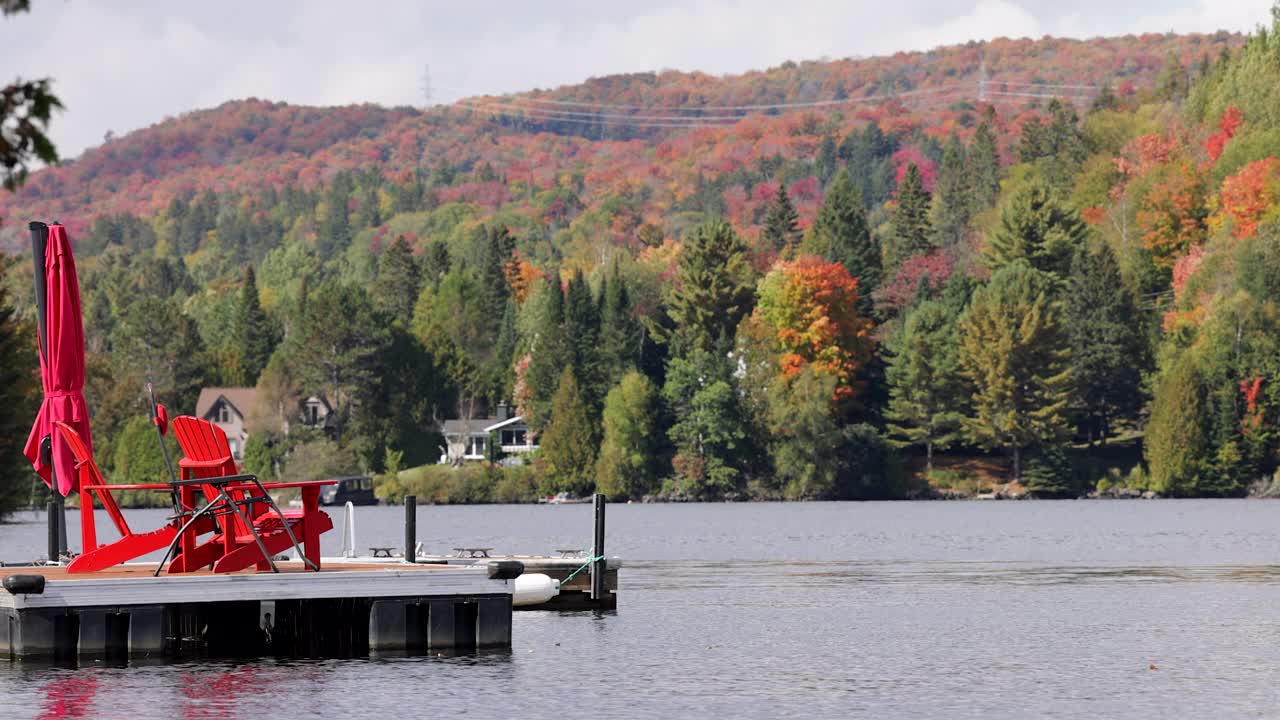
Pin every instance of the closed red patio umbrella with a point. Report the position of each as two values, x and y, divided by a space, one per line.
61 358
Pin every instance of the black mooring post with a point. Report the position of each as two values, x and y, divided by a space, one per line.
597 549
410 528
52 507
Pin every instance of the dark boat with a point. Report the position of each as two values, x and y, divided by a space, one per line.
355 489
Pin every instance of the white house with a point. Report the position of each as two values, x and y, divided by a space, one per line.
469 439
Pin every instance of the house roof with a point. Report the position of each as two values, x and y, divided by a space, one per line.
479 426
241 399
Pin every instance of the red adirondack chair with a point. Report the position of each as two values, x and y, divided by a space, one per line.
236 544
130 545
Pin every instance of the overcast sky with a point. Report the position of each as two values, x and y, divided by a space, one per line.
120 65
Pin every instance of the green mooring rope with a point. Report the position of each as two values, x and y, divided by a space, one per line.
581 567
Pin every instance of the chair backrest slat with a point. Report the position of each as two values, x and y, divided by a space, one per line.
89 474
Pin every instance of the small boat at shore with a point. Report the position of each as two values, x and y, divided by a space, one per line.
563 498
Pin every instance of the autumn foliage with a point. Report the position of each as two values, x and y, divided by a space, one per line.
810 306
1248 195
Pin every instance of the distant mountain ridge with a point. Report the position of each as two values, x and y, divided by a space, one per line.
249 145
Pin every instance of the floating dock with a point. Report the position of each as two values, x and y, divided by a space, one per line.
345 610
575 594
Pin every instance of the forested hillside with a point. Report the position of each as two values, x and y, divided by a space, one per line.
824 280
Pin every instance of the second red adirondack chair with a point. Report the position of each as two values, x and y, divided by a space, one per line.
234 547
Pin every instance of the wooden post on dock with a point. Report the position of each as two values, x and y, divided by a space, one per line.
410 528
598 588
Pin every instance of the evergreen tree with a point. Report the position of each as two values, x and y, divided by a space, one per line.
1032 144
840 234
952 198
781 230
398 283
1064 150
1107 348
156 342
926 394
547 352
805 434
825 163
334 230
569 442
1015 353
620 333
582 338
494 253
255 334
909 226
1036 228
714 291
984 165
626 465
1177 443
18 402
435 262
504 351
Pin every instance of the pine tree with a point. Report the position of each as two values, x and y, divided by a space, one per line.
1107 348
435 262
984 165
1064 149
840 234
582 339
569 442
504 351
398 283
825 163
708 429
334 231
926 393
715 288
1035 227
909 226
547 351
494 250
620 333
781 230
952 198
626 465
255 334
1015 354
1032 145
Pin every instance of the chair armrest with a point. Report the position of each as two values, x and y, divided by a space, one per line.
298 484
189 463
122 486
222 480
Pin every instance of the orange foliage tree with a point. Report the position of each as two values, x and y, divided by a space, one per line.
809 307
1248 196
1171 214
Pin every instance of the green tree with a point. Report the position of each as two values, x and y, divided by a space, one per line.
715 288
1178 443
18 401
620 332
334 228
984 165
435 262
547 351
1014 352
255 335
569 442
909 226
25 109
1108 352
708 429
336 345
157 343
626 465
805 434
952 197
840 234
1036 227
398 283
781 230
926 393
582 338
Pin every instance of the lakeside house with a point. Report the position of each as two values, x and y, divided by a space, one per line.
468 439
229 408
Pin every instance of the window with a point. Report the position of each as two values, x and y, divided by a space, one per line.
224 413
235 448
312 414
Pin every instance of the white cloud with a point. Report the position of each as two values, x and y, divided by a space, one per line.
121 66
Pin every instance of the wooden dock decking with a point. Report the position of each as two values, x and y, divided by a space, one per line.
345 609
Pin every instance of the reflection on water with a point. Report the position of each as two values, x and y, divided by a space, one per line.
1014 610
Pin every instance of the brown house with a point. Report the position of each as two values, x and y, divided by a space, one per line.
229 408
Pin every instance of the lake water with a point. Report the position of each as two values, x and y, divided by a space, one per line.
822 610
